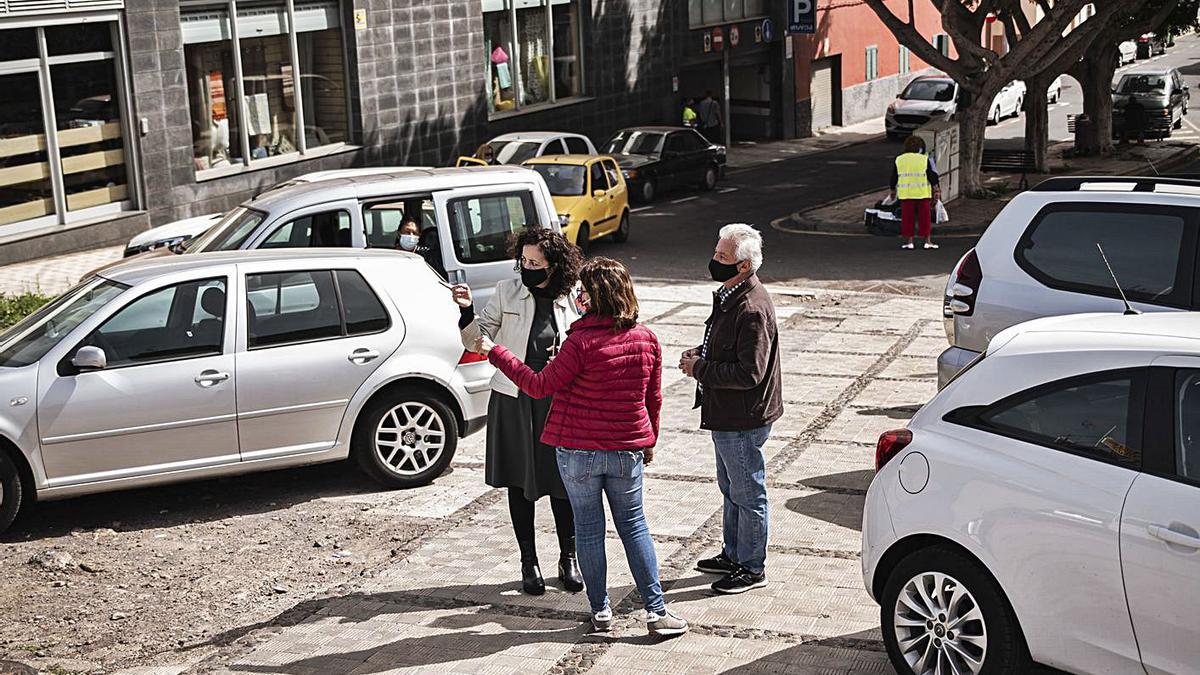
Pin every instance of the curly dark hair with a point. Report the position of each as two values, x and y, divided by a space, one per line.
563 256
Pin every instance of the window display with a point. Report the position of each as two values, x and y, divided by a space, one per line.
532 52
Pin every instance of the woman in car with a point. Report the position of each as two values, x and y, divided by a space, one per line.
607 388
425 244
530 317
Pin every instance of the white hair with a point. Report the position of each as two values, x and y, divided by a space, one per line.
748 243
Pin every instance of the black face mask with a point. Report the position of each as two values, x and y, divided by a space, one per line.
534 278
720 271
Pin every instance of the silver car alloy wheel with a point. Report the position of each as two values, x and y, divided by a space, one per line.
410 438
939 626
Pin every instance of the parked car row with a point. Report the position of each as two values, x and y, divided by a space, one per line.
1160 91
1044 506
936 97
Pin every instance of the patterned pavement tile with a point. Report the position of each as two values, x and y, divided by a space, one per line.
693 455
854 343
905 310
934 329
863 425
446 495
831 465
871 324
812 388
677 337
911 368
891 394
815 363
700 653
927 347
51 276
826 521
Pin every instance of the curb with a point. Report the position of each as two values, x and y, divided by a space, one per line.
809 227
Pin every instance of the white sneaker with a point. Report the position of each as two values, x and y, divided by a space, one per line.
908 246
665 624
930 245
602 620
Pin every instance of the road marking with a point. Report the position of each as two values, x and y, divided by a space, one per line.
1190 124
727 191
640 209
685 199
842 162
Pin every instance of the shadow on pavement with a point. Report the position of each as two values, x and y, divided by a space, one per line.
200 501
826 656
900 412
838 509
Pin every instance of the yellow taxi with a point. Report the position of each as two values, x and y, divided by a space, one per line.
589 192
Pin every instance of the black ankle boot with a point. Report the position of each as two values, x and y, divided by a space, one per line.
568 572
531 575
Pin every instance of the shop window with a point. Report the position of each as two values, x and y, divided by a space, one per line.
872 62
292 95
533 52
712 12
64 162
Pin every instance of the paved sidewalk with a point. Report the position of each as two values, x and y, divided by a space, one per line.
748 155
51 276
855 364
845 217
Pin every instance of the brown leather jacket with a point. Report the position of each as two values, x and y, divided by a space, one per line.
740 382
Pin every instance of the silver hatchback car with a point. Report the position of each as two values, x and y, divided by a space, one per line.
170 369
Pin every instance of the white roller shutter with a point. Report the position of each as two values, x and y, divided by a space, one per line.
822 94
213 25
27 7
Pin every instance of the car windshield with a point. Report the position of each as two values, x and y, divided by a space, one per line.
229 234
564 180
636 143
515 152
929 90
28 341
1142 84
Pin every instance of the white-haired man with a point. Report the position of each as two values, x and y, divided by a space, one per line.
739 393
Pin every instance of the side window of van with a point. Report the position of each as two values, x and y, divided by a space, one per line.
381 222
481 226
316 230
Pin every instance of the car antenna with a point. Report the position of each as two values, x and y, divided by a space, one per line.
1129 310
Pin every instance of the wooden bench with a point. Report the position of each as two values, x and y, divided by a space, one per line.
1009 161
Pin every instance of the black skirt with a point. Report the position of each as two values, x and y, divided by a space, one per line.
516 457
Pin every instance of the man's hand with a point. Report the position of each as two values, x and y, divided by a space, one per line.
691 353
484 345
647 455
688 365
462 295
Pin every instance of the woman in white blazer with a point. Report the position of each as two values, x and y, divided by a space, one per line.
529 316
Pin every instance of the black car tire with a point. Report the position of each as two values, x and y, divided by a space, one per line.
12 494
1006 649
583 237
994 117
649 191
622 234
1179 122
362 444
709 181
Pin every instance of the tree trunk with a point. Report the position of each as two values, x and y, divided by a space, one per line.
1095 75
1037 119
972 123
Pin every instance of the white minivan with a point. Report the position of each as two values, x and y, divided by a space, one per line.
467 216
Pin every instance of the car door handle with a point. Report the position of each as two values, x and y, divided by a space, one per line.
210 377
361 356
1174 537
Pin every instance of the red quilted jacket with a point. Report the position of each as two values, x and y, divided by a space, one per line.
607 386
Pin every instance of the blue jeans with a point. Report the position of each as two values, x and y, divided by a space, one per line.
741 475
589 475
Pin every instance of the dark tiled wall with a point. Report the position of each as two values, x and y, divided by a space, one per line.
417 98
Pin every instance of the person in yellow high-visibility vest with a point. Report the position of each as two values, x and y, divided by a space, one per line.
915 184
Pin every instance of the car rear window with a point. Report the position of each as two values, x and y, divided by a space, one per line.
1150 248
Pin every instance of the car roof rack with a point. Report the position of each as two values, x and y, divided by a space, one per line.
1139 183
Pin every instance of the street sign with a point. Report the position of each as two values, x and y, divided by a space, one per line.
718 39
708 42
802 16
735 36
768 30
758 34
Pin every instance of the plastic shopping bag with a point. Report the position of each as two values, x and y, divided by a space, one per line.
888 201
941 215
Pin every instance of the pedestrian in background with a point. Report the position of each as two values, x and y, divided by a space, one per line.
915 184
1135 121
607 388
709 113
529 316
487 154
740 395
689 112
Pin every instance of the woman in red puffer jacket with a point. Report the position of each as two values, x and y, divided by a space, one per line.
607 386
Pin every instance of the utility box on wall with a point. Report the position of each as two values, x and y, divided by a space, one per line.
941 140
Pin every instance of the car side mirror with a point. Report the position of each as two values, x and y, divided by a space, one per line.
599 193
563 221
90 358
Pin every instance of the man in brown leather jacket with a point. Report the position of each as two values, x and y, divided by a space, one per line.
739 393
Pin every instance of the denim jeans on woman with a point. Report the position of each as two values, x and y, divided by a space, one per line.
741 476
589 476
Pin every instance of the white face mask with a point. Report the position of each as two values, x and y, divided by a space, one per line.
408 242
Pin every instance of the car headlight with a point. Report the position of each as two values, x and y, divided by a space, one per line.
891 108
629 174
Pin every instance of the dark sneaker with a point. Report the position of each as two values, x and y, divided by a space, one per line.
739 582
718 565
665 623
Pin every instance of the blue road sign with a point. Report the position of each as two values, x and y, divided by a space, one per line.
768 30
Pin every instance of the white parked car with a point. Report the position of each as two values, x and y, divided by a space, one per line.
517 147
164 369
179 231
935 97
1126 52
1038 258
1045 506
1008 102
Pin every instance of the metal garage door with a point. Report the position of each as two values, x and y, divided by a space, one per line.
822 92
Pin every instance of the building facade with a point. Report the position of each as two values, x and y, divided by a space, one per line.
123 114
852 68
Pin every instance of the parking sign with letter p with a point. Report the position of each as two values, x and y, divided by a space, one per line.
802 16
